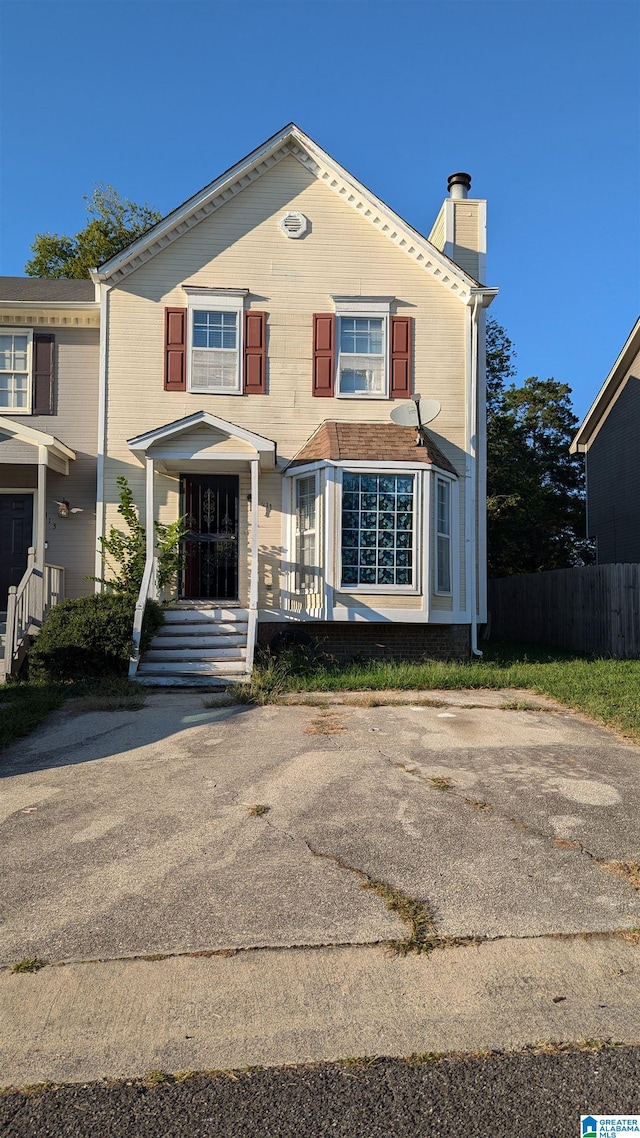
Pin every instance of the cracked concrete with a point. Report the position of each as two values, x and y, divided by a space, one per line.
128 834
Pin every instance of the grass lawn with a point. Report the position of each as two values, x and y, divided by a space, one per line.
606 690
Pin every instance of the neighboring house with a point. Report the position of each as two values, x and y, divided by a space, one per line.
608 438
254 344
49 350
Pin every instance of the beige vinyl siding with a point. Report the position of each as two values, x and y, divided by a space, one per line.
70 541
242 246
378 601
202 442
436 236
466 237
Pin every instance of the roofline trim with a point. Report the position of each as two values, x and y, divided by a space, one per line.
607 394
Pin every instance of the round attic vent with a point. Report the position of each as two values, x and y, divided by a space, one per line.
294 224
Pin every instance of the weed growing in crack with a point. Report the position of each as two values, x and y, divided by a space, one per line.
258 809
29 964
415 913
155 1078
442 783
630 870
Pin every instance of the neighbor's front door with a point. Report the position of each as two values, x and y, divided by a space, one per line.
210 502
16 535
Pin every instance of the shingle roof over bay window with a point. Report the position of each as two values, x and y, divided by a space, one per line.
369 442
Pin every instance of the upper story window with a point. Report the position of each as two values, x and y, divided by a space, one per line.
362 336
215 334
15 371
361 362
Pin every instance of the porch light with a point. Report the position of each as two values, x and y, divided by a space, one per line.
63 508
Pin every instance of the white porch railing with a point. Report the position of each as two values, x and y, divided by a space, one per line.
252 630
147 592
27 604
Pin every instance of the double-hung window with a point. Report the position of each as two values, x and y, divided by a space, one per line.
378 512
215 341
15 370
306 535
362 334
443 536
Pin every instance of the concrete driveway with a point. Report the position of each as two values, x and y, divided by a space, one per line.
131 833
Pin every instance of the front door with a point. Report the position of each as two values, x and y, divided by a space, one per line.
210 502
16 535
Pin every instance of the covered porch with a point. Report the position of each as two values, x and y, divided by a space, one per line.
215 467
29 585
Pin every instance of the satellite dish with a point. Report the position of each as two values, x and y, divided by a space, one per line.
407 414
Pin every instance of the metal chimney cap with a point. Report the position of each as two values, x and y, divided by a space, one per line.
458 185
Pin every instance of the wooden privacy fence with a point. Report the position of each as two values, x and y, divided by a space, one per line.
595 608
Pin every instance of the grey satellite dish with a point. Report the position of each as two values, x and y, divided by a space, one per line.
416 413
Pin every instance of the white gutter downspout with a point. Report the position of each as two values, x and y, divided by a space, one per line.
471 501
102 426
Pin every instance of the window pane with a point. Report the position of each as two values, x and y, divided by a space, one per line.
214 330
215 370
444 566
377 536
306 541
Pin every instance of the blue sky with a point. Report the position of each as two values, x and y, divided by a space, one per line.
539 101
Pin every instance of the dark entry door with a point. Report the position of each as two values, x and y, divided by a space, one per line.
16 535
210 502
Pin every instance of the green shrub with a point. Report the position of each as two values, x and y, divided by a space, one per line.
89 637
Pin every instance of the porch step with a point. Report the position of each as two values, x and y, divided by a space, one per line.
204 615
208 683
186 638
157 655
192 667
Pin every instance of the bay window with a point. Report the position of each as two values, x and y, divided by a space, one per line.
306 535
443 536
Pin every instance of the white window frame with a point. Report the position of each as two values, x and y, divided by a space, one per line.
295 535
359 308
415 589
28 332
215 300
441 535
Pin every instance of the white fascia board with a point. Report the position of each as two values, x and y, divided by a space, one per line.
607 394
265 447
35 438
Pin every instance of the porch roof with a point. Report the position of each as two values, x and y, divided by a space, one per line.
58 453
160 442
369 442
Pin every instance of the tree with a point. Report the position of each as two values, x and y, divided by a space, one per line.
114 222
535 487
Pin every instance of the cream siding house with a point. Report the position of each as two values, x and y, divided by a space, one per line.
281 298
49 353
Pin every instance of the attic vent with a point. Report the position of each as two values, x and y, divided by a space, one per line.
294 224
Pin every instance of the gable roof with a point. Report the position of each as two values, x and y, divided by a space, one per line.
291 141
608 393
369 442
265 448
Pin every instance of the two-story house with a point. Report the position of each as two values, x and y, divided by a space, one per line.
49 350
254 345
608 438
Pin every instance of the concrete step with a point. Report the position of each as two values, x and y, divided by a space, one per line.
211 683
194 643
196 628
154 656
192 667
190 616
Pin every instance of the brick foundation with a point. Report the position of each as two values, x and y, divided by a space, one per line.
346 641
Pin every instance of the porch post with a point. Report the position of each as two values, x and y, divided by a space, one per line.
149 516
253 592
42 507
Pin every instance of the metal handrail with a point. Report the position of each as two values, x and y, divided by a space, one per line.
147 590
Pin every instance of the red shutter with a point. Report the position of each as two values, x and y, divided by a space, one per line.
324 338
175 349
43 395
255 353
400 357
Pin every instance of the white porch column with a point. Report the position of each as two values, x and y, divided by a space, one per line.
41 513
149 516
253 591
